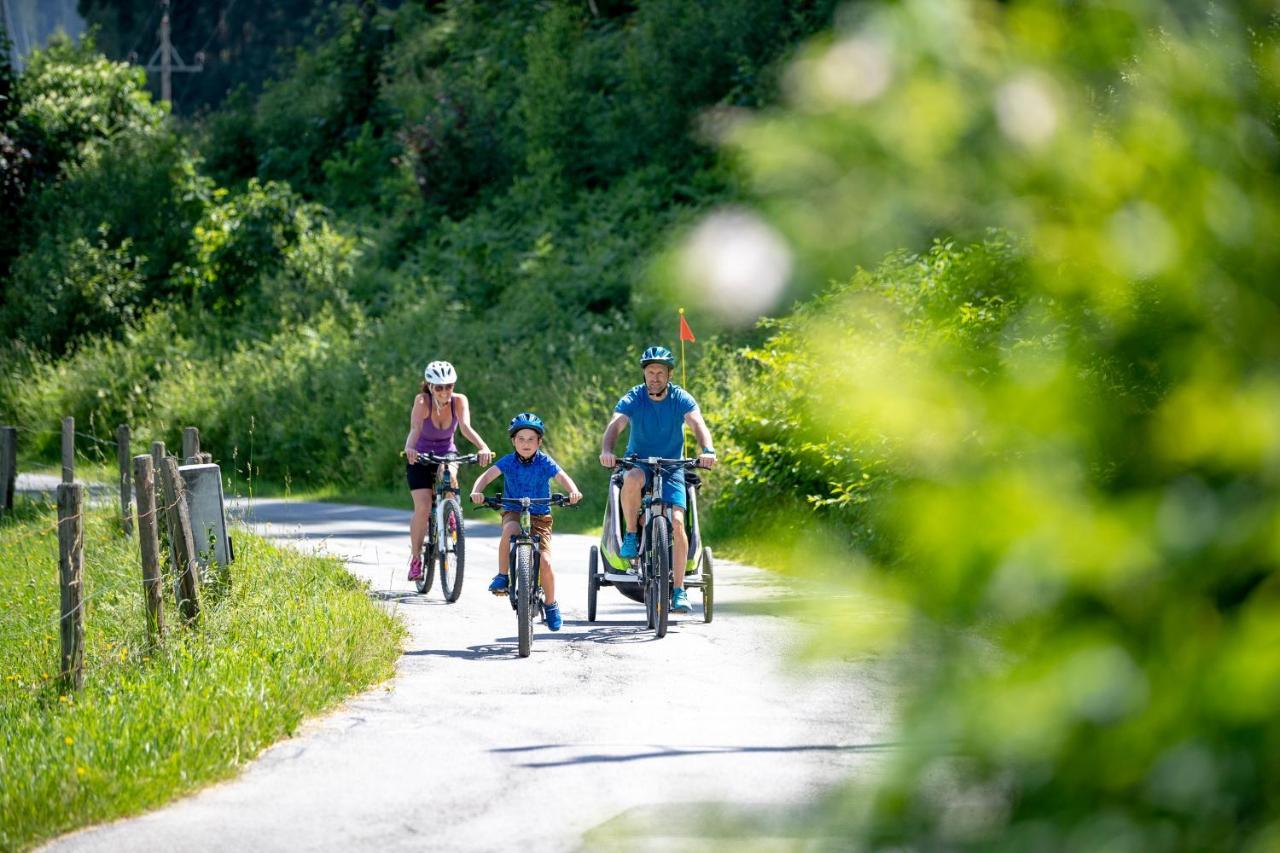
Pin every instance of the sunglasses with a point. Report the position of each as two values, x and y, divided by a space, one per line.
448 387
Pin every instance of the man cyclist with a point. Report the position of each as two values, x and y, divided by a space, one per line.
657 411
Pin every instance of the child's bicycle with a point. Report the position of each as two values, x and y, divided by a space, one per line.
524 589
445 543
652 568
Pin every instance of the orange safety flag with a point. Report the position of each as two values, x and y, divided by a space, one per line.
686 334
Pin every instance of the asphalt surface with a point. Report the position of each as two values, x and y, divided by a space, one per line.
604 737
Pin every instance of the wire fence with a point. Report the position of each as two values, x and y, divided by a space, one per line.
19 534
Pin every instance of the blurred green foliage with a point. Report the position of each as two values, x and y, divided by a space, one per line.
1082 443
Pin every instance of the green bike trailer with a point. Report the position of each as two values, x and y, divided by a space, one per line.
612 570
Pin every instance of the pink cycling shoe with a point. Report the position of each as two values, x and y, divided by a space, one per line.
415 568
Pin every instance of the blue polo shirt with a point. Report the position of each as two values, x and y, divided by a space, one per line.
657 428
527 480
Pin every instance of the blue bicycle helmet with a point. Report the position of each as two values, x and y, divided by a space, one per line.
657 355
525 420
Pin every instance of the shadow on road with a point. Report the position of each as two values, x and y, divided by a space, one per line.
505 647
407 597
680 752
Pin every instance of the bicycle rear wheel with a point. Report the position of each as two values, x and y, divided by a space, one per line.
452 551
660 551
524 598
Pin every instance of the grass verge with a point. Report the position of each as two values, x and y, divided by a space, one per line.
289 636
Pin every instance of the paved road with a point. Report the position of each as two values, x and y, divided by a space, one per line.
471 748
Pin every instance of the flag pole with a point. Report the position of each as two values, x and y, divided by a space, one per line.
684 433
683 376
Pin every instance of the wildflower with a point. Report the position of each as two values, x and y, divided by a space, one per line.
68 740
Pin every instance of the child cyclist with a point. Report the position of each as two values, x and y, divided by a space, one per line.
526 474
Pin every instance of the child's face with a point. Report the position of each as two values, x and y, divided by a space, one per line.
526 442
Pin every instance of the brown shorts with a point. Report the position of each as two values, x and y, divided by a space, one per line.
539 524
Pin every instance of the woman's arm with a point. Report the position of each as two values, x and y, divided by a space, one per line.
464 424
415 427
477 490
565 480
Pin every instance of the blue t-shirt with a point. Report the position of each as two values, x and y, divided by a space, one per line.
657 428
527 480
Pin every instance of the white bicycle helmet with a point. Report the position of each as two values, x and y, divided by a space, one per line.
440 373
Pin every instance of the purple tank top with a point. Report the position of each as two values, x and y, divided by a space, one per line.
433 439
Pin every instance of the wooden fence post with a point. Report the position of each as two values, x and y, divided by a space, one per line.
190 445
148 541
68 449
181 542
71 574
8 466
126 487
157 484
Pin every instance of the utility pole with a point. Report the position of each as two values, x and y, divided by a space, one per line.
163 60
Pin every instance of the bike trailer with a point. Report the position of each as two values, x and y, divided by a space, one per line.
612 529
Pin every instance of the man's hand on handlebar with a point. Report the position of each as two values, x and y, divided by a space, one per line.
574 497
707 460
608 460
477 497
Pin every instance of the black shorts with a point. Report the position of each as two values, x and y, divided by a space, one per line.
420 476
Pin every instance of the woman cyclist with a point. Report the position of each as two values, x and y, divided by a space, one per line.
437 414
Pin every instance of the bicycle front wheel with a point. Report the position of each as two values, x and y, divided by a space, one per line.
524 597
660 553
452 550
423 584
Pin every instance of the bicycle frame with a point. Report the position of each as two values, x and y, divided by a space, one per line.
525 537
653 495
516 591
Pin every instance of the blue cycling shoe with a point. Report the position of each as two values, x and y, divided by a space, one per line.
554 620
680 601
498 586
630 547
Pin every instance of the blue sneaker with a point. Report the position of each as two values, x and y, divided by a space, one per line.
630 547
679 601
554 621
498 586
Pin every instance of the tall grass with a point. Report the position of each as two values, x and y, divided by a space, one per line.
291 635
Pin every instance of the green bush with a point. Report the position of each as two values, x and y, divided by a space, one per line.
1082 524
263 256
102 181
782 467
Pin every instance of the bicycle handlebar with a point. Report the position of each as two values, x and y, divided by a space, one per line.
496 501
629 462
445 458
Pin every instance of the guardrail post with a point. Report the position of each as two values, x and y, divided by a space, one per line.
190 445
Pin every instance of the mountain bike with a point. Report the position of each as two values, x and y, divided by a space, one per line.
653 563
524 587
445 543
